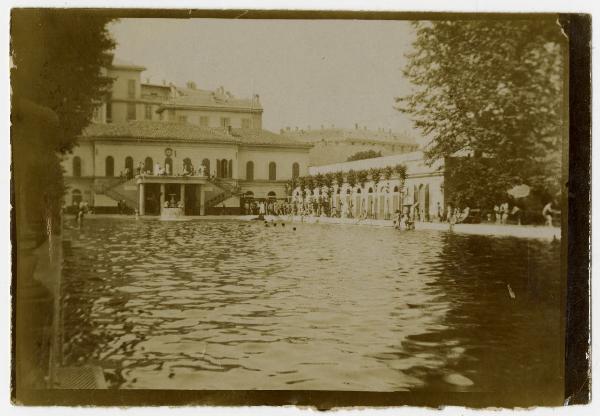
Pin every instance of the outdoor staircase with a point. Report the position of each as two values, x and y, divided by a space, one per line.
119 191
125 191
229 188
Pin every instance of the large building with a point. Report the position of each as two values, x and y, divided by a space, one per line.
162 128
335 145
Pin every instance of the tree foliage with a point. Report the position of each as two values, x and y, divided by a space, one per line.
493 89
366 154
56 81
58 57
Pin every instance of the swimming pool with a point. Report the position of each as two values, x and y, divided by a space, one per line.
237 305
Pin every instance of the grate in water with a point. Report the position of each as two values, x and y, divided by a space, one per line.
87 377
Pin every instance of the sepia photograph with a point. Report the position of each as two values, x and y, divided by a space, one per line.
327 210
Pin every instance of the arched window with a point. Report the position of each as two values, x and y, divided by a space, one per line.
272 195
370 190
223 168
358 191
75 197
295 170
250 170
109 166
77 166
148 165
206 164
129 165
348 191
395 188
272 171
230 169
169 166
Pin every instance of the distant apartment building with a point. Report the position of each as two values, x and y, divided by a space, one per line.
335 145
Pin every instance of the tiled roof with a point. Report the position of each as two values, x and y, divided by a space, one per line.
155 130
184 131
187 97
341 134
258 136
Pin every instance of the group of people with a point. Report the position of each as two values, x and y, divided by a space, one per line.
187 170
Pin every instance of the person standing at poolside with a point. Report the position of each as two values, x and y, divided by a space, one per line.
504 210
547 212
497 214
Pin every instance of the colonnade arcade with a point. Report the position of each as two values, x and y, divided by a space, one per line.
375 201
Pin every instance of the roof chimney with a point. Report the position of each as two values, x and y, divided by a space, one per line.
355 126
229 129
191 85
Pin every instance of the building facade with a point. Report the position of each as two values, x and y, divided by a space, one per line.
150 144
422 190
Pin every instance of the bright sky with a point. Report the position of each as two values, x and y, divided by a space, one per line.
307 73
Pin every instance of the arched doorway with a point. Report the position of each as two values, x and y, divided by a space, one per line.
295 170
109 166
247 203
370 210
396 199
206 164
250 171
358 208
169 166
272 171
75 197
148 165
129 167
76 166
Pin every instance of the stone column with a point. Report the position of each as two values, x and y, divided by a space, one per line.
162 197
142 209
201 199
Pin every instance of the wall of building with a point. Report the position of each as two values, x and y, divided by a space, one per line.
214 117
139 151
121 80
85 152
261 156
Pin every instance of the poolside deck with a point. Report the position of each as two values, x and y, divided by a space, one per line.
520 231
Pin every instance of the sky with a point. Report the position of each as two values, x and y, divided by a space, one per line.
307 73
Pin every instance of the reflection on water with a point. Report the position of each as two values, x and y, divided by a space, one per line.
237 305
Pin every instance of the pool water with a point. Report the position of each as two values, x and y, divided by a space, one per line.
237 305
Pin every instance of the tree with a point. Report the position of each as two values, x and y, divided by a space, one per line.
339 178
492 89
388 171
362 177
400 171
375 175
367 154
58 58
352 178
65 75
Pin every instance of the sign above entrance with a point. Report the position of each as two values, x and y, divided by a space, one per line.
168 152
